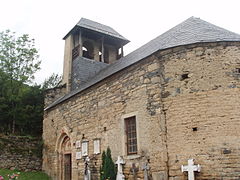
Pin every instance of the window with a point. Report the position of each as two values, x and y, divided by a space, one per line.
131 135
238 70
184 76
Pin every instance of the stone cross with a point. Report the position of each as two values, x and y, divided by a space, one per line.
146 168
120 162
190 168
134 171
87 172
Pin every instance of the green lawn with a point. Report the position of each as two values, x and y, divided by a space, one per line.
25 175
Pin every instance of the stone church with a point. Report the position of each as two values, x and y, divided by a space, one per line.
174 99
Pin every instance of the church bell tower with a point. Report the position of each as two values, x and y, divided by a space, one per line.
89 47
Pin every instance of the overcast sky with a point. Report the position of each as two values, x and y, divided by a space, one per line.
48 21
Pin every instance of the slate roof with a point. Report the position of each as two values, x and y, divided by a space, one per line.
95 26
84 69
193 30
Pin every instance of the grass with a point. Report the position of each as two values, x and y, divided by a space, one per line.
25 175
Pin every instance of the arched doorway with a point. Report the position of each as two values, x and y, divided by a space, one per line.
64 158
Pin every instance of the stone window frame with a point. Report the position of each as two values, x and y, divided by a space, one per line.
131 133
124 139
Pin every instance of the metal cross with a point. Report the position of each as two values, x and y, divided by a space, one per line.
146 168
87 172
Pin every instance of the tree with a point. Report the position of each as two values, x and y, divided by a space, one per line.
4 106
102 174
108 170
53 81
31 111
18 56
19 60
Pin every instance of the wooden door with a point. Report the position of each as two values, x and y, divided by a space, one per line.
67 167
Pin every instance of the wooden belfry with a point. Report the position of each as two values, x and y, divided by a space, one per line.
89 47
96 41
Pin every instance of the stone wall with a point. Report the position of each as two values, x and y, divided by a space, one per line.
99 112
202 102
186 101
202 67
21 153
205 125
50 95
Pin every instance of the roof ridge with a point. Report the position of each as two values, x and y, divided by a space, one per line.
213 25
116 33
98 27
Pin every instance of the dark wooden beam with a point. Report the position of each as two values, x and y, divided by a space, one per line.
102 59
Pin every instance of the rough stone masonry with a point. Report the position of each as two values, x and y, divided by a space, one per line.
185 99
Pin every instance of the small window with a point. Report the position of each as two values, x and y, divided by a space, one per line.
184 76
131 135
238 70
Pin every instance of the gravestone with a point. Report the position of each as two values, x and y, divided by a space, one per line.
120 162
134 171
190 168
